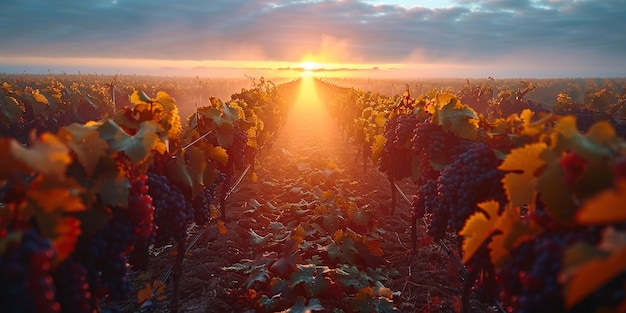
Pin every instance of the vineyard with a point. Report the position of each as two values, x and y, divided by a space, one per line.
309 195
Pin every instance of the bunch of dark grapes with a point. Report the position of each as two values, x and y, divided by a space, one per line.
70 279
172 211
530 278
202 206
237 150
395 160
430 140
472 178
26 284
104 255
140 208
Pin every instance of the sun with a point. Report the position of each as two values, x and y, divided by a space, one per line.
309 66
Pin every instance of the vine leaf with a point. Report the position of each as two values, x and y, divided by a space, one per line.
478 228
605 207
221 227
176 169
583 278
512 231
313 278
217 154
300 306
378 145
66 233
111 183
85 141
594 146
170 118
138 147
367 301
506 230
520 187
157 288
62 197
11 109
48 155
196 168
455 117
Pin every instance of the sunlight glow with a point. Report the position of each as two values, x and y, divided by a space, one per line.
309 65
308 100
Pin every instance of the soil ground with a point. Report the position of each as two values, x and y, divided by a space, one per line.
310 152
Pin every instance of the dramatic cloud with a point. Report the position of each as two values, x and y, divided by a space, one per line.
585 35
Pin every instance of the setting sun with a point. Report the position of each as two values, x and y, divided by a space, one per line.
309 66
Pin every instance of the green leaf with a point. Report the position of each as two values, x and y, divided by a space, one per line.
344 252
138 147
85 141
286 265
313 278
301 307
11 109
258 275
258 240
457 118
176 170
351 276
196 168
111 184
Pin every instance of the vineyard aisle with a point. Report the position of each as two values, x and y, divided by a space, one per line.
309 157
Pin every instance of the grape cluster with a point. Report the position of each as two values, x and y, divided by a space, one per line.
140 208
237 150
70 279
104 255
530 278
172 211
202 205
431 140
26 284
395 160
472 178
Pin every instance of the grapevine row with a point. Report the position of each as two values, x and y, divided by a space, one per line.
87 196
534 203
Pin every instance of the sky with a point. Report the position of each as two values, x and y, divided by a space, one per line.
455 38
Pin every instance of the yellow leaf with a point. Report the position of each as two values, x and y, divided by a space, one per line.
217 153
326 195
514 232
221 227
63 199
39 97
298 231
520 187
87 145
333 166
590 276
374 246
252 140
378 145
385 292
48 155
254 178
478 228
215 213
145 293
605 207
338 236
67 231
530 129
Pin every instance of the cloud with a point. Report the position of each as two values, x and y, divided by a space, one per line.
347 31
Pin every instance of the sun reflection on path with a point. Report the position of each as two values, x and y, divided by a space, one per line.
309 131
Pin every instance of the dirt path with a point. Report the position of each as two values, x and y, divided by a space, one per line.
309 154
